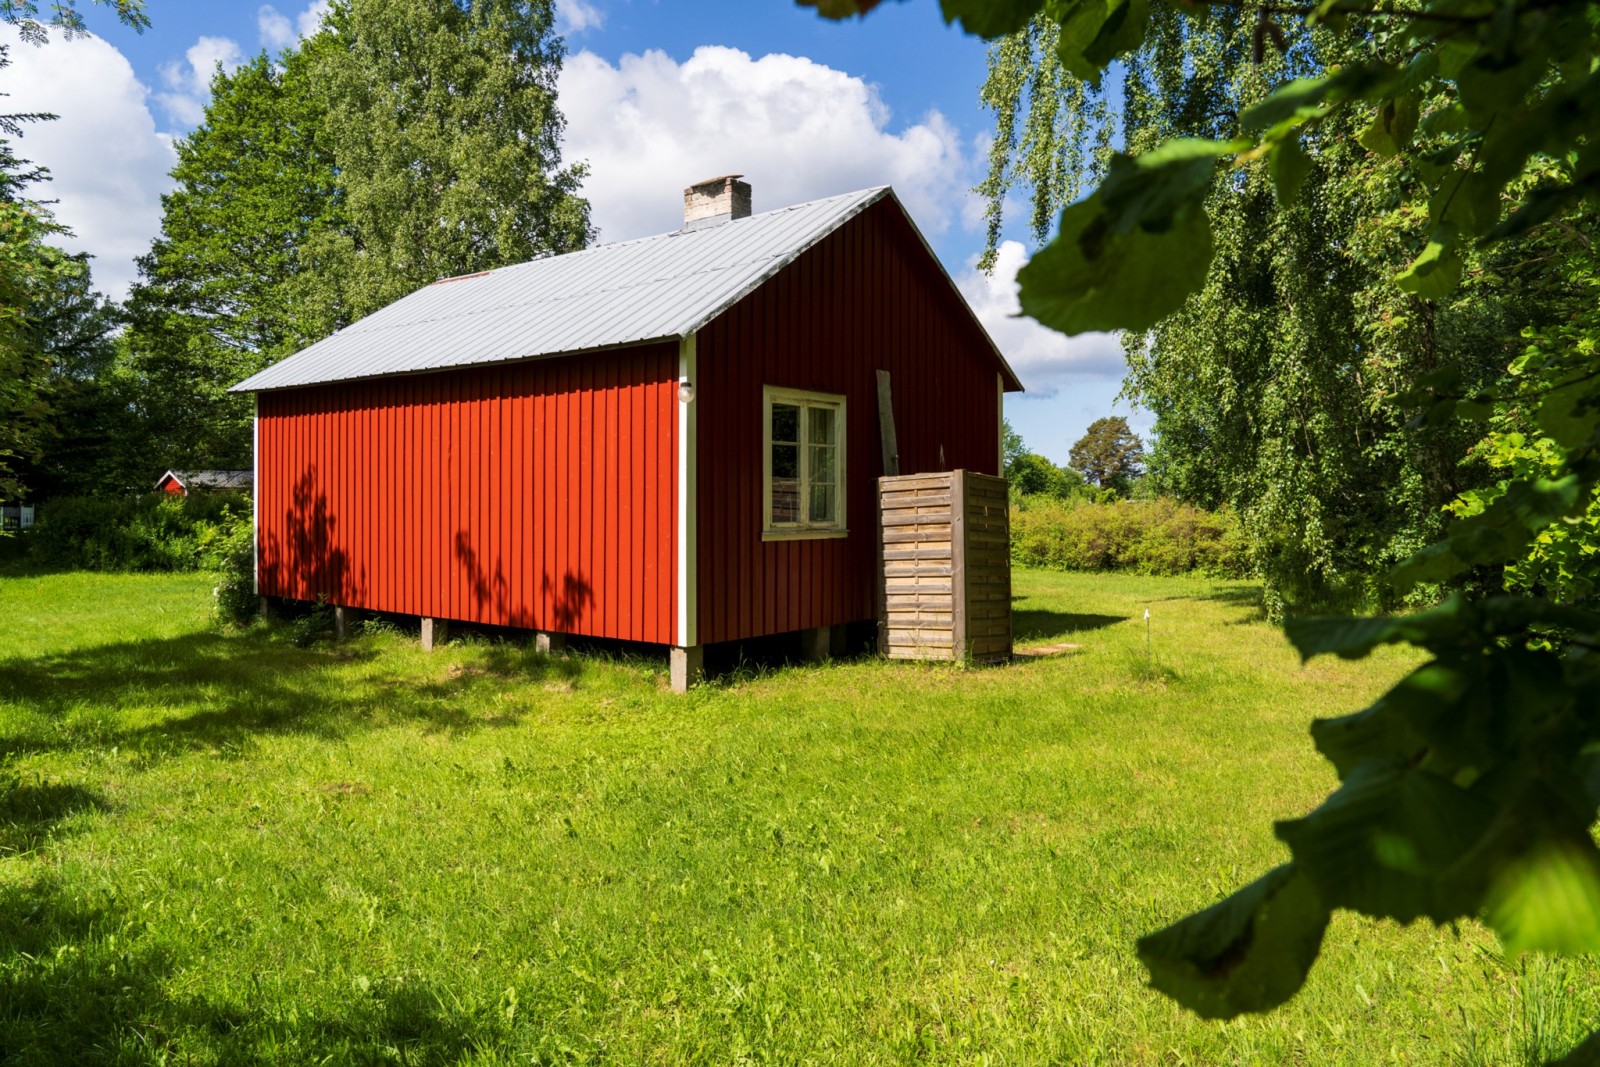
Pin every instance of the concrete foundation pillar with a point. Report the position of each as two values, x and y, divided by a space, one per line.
266 608
688 667
547 643
817 643
341 621
434 631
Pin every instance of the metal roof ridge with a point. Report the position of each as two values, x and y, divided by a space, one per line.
666 235
548 300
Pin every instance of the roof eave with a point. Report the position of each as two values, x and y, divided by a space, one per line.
246 387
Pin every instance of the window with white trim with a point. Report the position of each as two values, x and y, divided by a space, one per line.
804 463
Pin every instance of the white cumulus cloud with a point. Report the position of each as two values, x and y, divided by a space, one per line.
1044 359
108 162
189 82
577 16
275 28
798 130
279 31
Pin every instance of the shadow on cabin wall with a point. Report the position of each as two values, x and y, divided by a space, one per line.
570 597
301 563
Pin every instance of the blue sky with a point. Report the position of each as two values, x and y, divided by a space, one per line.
657 93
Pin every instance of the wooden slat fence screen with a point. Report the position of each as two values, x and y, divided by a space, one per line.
946 566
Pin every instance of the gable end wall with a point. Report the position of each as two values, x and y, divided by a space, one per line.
866 298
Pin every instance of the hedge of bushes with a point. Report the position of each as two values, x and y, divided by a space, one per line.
156 532
1157 536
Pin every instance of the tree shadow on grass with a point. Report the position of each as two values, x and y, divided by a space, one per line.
1037 624
83 982
78 983
29 811
218 691
1247 596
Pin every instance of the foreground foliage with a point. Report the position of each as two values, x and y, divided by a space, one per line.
217 847
1469 789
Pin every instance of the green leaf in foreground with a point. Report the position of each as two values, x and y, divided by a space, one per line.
1548 900
1351 637
1095 32
1251 952
991 18
1435 273
1386 841
1131 253
1290 165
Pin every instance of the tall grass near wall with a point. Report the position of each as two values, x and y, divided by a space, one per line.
1156 537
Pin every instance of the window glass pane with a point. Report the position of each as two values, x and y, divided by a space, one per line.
785 482
821 426
822 463
822 503
785 422
786 462
785 500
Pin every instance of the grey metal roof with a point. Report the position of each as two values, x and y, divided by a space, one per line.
651 289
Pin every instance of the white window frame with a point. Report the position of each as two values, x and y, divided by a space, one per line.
802 398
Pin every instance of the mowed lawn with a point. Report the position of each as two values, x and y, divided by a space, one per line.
221 848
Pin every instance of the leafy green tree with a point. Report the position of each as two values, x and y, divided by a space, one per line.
30 267
408 140
442 119
1470 789
227 287
1269 384
1034 475
1011 447
1563 559
90 446
1109 454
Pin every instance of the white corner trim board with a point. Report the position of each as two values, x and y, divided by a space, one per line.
687 628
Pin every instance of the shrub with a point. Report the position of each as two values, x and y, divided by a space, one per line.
313 626
1157 536
235 565
155 532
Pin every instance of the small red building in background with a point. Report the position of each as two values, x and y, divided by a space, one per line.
182 483
674 440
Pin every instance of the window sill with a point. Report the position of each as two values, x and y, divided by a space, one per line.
802 535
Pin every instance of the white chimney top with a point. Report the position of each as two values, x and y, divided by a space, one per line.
715 201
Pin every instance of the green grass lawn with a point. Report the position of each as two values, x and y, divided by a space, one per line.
222 848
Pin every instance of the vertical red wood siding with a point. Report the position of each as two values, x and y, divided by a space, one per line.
537 495
866 298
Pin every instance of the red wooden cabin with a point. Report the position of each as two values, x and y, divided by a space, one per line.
674 440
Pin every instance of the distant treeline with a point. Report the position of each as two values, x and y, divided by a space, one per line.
1158 536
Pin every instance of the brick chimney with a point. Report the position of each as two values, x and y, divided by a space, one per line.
715 201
